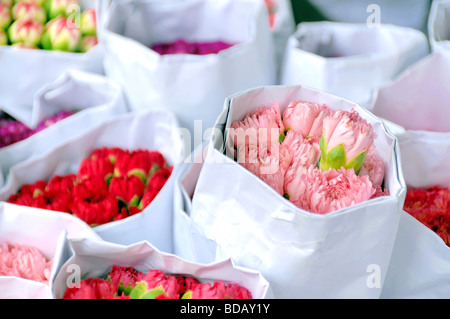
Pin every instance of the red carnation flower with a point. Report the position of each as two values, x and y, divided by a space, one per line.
141 163
186 283
24 199
112 153
128 189
95 207
431 207
124 278
101 167
58 183
155 184
236 291
57 200
91 288
122 214
207 291
156 278
93 184
34 189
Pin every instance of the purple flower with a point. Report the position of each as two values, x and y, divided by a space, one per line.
51 120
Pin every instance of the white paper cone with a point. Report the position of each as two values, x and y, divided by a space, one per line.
439 25
23 72
93 97
323 55
25 226
189 243
95 259
193 87
301 254
417 102
407 13
152 130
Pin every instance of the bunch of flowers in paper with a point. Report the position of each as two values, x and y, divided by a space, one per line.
319 159
128 283
111 184
51 25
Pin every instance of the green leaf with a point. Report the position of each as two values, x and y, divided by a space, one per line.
357 162
187 295
153 293
281 137
139 290
336 157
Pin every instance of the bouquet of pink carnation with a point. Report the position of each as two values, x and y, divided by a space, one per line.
321 160
128 283
310 191
25 262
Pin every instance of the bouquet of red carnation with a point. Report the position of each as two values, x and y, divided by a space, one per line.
111 184
431 206
128 283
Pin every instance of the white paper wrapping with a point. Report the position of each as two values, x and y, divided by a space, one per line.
323 55
23 72
193 87
26 226
407 13
420 261
439 25
95 258
301 254
189 243
146 129
93 97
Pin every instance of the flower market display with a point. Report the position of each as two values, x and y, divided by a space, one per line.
319 159
48 25
13 131
128 283
111 184
232 149
25 262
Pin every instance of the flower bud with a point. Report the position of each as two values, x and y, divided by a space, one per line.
29 10
8 3
61 35
88 42
5 16
88 22
62 8
26 31
23 46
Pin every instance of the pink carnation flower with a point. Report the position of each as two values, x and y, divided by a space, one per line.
305 118
348 136
324 192
373 167
25 262
268 164
262 127
304 152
